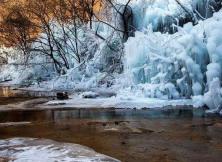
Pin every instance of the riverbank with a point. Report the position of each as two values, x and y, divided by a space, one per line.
46 99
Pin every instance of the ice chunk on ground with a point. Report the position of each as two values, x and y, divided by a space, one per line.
90 94
198 101
36 150
213 98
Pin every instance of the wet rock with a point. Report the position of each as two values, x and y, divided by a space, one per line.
116 123
62 95
123 143
161 131
147 130
207 124
57 104
218 125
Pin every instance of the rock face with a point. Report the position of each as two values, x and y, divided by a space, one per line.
36 150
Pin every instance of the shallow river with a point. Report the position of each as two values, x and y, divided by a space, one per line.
127 135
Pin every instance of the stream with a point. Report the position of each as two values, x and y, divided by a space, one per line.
129 135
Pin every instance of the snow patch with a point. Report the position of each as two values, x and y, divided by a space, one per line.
36 150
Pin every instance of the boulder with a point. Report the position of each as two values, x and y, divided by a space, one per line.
62 95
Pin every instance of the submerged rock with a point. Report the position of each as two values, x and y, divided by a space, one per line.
8 124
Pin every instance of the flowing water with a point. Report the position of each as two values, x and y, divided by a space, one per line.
128 135
182 134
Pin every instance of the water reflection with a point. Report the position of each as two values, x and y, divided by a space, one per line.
5 91
128 135
100 114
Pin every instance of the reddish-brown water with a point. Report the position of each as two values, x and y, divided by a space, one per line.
128 135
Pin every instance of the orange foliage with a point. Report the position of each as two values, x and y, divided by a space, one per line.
22 19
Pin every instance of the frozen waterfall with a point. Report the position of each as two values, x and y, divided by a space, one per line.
181 65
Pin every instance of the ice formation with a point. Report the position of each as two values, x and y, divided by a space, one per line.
176 53
35 150
162 14
187 63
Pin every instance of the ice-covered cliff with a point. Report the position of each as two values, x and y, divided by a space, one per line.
185 64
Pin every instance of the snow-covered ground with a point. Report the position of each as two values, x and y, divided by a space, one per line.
116 102
36 150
